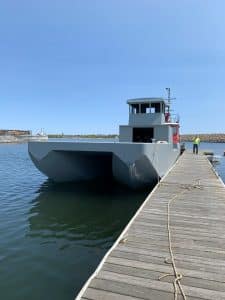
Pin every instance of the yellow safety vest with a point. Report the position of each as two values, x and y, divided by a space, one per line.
197 141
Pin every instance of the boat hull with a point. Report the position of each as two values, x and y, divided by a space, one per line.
133 164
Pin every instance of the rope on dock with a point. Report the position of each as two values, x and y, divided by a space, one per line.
178 276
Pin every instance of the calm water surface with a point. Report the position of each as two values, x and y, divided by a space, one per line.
52 237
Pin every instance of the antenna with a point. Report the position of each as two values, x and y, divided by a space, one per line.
169 98
168 92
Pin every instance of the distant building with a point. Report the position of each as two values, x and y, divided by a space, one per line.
15 132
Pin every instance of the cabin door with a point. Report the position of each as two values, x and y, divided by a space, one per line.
143 135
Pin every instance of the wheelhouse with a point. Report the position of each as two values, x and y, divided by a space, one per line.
149 122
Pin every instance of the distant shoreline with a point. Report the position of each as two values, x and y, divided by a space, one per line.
90 136
210 138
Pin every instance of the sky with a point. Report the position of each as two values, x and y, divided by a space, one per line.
69 66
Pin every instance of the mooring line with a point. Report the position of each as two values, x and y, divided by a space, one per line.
177 276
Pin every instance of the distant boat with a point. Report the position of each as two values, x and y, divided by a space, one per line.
40 136
148 146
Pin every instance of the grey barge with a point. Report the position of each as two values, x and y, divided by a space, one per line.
148 146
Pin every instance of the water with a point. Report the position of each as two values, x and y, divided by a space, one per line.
52 237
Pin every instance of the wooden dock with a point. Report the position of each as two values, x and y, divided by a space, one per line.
174 243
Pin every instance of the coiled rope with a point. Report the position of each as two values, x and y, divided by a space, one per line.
177 276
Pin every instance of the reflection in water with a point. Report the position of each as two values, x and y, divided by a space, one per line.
79 222
88 213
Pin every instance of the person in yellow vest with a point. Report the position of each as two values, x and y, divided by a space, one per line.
196 143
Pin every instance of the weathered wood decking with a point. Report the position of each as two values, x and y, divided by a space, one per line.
132 267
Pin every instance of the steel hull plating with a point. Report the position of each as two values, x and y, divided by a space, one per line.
133 164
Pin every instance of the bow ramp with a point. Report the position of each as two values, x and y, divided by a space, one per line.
173 248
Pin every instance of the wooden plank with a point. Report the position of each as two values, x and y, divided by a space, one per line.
177 236
189 264
201 231
160 285
177 231
187 244
174 214
164 254
96 294
204 253
155 275
133 290
166 269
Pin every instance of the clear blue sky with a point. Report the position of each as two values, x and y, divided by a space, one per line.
69 66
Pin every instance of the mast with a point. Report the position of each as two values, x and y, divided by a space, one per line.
168 98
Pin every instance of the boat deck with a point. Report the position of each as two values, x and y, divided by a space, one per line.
186 211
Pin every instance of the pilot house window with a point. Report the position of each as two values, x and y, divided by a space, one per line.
135 109
145 108
155 107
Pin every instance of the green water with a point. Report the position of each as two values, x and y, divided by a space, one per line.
52 237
